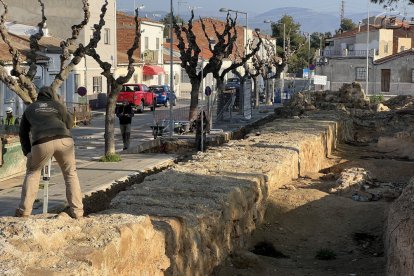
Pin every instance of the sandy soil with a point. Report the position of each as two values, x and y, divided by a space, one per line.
303 218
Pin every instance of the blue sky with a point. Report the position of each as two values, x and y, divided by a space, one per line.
259 6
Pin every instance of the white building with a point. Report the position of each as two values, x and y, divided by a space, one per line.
61 15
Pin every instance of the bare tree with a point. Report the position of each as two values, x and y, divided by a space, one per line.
223 49
278 63
258 63
115 84
21 78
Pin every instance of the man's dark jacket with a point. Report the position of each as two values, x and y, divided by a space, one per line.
46 119
125 114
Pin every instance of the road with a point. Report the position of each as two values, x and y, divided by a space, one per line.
90 142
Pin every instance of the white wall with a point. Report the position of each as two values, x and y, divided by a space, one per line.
61 15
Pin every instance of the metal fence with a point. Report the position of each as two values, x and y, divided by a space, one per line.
81 112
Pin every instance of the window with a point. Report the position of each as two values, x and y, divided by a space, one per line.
37 82
97 84
107 36
412 75
386 48
76 82
360 73
145 88
146 43
158 43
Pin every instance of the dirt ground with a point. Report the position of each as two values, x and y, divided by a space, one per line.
304 220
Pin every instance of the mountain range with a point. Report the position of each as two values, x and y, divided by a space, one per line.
310 20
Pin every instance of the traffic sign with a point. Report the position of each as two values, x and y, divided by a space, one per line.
82 91
207 91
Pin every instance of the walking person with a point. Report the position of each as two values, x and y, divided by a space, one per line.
48 124
125 113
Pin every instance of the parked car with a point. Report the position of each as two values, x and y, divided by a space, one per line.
138 95
164 95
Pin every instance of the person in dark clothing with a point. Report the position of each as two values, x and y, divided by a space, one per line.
45 133
125 113
199 130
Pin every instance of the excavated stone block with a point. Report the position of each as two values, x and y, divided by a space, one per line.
399 234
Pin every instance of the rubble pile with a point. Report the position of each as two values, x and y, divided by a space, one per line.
352 178
400 102
349 96
361 186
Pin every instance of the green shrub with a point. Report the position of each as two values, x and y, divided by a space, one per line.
376 99
110 158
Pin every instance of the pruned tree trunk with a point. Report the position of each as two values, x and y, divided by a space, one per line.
268 88
195 90
256 92
114 84
110 123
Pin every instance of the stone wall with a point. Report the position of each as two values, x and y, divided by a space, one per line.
13 160
399 234
182 221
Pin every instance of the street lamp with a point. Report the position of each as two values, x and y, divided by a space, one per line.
308 35
171 67
245 13
210 41
367 73
284 48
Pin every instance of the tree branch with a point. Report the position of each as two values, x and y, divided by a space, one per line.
26 85
135 45
34 45
243 60
65 46
76 29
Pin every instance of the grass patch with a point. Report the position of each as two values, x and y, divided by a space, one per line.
110 158
325 254
375 99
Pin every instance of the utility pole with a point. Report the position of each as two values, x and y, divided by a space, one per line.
171 68
342 12
367 66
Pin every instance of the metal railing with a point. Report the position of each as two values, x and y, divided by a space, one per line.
81 112
348 53
228 106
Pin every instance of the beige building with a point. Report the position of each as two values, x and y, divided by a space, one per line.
389 47
61 15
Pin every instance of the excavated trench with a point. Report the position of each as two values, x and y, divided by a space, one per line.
274 192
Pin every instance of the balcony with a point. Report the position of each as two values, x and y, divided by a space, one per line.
348 53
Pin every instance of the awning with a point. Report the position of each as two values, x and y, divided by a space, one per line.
151 70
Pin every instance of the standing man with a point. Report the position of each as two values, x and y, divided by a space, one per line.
48 123
125 113
10 120
201 129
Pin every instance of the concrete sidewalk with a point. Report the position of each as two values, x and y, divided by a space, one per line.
97 176
93 176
